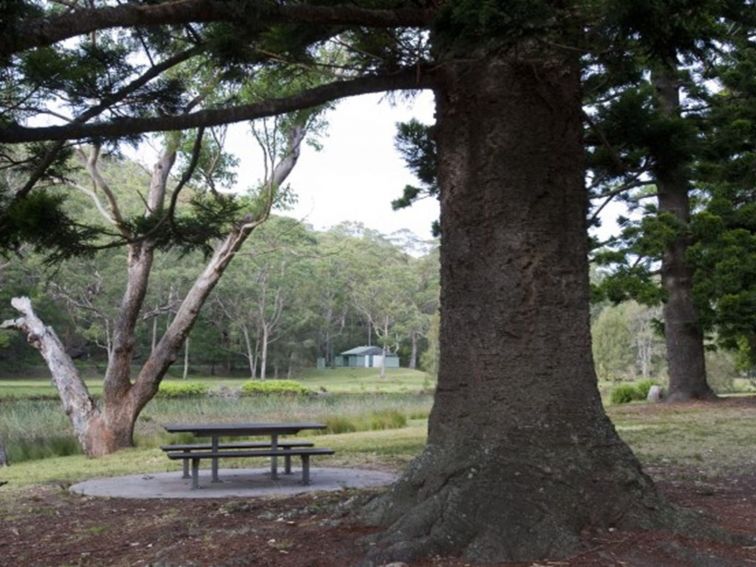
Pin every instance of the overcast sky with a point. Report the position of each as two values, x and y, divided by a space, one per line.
357 173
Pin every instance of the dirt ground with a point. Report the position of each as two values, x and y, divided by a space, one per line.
49 526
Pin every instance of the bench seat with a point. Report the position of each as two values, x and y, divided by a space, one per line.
188 447
235 445
304 453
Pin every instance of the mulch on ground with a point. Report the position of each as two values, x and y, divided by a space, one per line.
49 526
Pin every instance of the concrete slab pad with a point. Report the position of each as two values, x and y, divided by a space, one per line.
234 483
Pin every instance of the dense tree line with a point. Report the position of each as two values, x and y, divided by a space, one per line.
292 295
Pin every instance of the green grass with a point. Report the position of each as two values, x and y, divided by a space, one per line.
367 380
33 429
709 439
370 421
386 447
37 388
337 381
702 442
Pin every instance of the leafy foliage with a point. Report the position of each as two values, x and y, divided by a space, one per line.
624 394
170 390
41 221
415 143
264 387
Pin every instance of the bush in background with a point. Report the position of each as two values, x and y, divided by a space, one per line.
373 421
255 387
643 388
626 393
182 390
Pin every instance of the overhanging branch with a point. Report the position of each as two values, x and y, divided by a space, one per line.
47 31
52 152
408 79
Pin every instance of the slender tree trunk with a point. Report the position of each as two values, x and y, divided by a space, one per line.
520 455
413 354
264 352
250 354
328 350
154 333
682 327
385 348
185 374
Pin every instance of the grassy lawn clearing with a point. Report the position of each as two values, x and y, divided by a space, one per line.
691 440
367 380
336 381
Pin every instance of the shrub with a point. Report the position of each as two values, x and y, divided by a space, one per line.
387 419
339 424
290 387
182 390
374 421
643 387
624 394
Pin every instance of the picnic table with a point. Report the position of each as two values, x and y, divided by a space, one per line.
216 450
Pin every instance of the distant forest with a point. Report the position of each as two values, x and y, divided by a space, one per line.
292 295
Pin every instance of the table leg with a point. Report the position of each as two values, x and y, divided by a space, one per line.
305 469
195 474
215 460
274 459
186 466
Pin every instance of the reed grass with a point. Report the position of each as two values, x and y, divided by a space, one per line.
36 429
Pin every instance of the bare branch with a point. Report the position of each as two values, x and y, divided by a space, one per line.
77 402
102 185
100 207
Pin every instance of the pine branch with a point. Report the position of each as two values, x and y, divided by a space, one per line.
54 150
407 79
47 31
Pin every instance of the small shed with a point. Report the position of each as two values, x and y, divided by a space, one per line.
365 357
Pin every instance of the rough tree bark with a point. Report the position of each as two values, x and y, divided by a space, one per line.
520 455
682 327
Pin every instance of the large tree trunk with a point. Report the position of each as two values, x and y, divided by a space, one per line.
682 327
520 455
